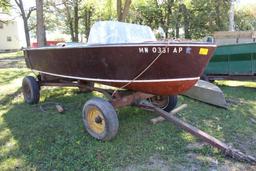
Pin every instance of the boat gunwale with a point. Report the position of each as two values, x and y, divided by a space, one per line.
145 44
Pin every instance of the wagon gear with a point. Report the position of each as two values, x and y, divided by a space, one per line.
116 60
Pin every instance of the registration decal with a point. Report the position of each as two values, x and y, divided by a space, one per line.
203 51
160 50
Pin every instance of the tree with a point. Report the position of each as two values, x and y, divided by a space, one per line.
66 14
72 19
186 21
178 18
25 17
76 20
208 16
40 27
5 5
245 18
122 11
166 11
231 16
87 18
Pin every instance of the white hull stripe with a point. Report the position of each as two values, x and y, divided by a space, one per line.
130 45
118 81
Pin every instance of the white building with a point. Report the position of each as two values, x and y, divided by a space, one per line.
9 36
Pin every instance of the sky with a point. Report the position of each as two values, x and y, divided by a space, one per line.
243 2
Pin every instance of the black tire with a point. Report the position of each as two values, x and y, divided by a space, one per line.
211 81
30 90
84 90
105 119
167 103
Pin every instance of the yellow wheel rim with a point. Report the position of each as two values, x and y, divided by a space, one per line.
95 120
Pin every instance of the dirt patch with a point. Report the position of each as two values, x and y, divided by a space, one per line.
246 143
201 162
192 161
212 163
196 145
154 163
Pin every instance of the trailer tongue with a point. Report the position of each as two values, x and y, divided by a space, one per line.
226 149
140 100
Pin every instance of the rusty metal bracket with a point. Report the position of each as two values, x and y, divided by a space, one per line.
121 100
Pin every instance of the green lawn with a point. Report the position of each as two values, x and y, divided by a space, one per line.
11 55
34 140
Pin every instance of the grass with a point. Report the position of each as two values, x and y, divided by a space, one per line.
11 55
34 140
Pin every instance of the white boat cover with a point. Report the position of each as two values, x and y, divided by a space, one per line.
114 32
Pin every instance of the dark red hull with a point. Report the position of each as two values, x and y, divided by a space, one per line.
177 68
160 88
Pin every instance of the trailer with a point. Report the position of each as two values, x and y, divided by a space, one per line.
99 115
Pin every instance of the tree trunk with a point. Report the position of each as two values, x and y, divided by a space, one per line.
40 28
177 29
119 9
168 14
71 30
126 9
123 12
218 20
76 19
27 35
69 20
25 18
186 21
231 16
88 14
178 23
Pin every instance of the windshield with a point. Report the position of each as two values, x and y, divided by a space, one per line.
113 32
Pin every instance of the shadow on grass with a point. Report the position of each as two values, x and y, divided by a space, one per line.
6 100
48 141
58 141
234 125
7 76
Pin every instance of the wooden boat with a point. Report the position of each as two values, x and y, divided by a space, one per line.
142 64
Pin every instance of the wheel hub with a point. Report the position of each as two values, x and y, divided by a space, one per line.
96 120
160 101
27 91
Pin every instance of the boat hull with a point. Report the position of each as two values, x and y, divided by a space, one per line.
159 88
162 69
